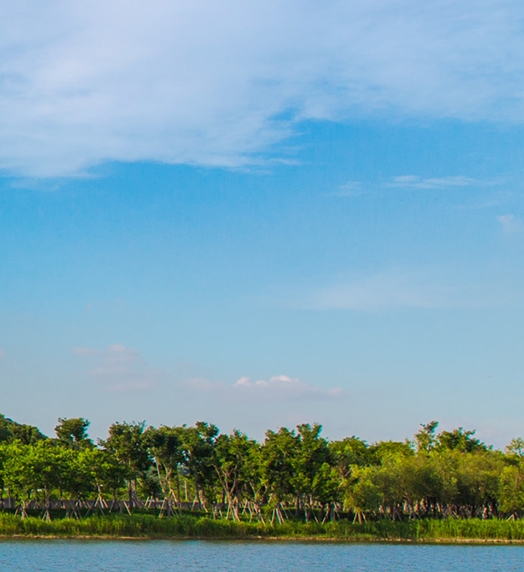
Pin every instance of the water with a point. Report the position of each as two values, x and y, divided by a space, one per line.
220 556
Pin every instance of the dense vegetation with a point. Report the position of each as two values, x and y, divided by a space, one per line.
294 483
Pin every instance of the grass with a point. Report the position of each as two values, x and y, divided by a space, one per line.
190 526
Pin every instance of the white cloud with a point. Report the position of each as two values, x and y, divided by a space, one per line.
390 289
415 182
423 288
510 224
119 368
280 388
356 188
349 189
218 83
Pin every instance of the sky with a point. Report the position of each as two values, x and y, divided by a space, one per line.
263 213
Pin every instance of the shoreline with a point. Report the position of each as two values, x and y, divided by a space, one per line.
197 527
269 539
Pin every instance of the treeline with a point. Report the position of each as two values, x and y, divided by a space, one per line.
293 475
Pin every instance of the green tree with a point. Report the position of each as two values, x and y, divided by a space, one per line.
459 440
426 439
364 495
198 447
327 490
73 432
312 452
165 447
278 461
75 478
109 475
516 448
478 482
233 468
31 470
127 443
349 453
511 491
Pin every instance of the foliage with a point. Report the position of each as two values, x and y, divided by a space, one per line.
293 476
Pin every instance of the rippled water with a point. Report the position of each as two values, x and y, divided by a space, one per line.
220 556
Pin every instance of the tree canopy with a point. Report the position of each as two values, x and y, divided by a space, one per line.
294 473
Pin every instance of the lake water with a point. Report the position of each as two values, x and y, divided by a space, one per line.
222 556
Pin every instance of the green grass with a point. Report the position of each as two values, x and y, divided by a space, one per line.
189 526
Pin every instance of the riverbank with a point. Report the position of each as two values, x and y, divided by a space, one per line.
144 526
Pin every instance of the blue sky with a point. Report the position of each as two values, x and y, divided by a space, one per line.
263 214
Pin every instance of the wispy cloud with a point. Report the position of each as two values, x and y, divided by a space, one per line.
349 189
510 224
401 288
206 83
390 289
357 188
281 388
493 200
415 182
118 368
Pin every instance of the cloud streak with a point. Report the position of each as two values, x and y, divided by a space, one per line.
200 82
349 189
281 388
510 224
118 368
450 182
421 288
